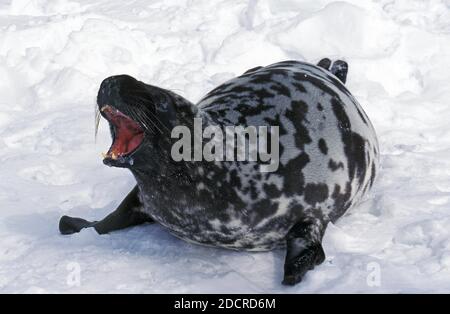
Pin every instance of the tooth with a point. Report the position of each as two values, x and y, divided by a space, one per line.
114 156
104 155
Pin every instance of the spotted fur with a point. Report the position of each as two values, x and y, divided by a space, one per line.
328 160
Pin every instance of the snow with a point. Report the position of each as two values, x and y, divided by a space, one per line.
53 56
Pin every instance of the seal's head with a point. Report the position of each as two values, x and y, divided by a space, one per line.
140 117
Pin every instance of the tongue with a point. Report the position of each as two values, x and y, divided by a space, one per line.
128 136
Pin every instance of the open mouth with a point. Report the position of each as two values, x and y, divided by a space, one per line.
127 135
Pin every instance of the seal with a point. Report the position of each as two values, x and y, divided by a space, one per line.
328 160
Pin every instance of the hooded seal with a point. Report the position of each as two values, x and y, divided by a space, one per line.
328 158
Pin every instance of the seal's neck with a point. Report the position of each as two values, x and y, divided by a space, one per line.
186 111
156 161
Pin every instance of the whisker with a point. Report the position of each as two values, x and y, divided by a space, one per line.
147 118
156 117
145 115
96 122
138 117
141 117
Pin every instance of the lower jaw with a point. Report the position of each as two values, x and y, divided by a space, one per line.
119 161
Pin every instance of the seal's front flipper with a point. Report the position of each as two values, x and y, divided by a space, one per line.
324 63
126 215
304 251
69 225
340 69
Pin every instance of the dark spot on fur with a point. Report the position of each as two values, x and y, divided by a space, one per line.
316 193
299 87
253 190
248 110
293 176
354 144
320 83
263 94
323 146
218 90
271 190
266 75
262 209
335 165
297 116
341 201
286 63
234 179
252 70
281 89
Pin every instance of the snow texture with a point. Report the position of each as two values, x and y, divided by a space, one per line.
53 56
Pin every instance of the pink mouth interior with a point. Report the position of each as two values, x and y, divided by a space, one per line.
128 133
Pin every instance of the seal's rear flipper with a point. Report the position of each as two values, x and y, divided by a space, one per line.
324 63
340 69
304 250
126 215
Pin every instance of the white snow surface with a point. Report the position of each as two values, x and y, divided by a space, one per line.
53 56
